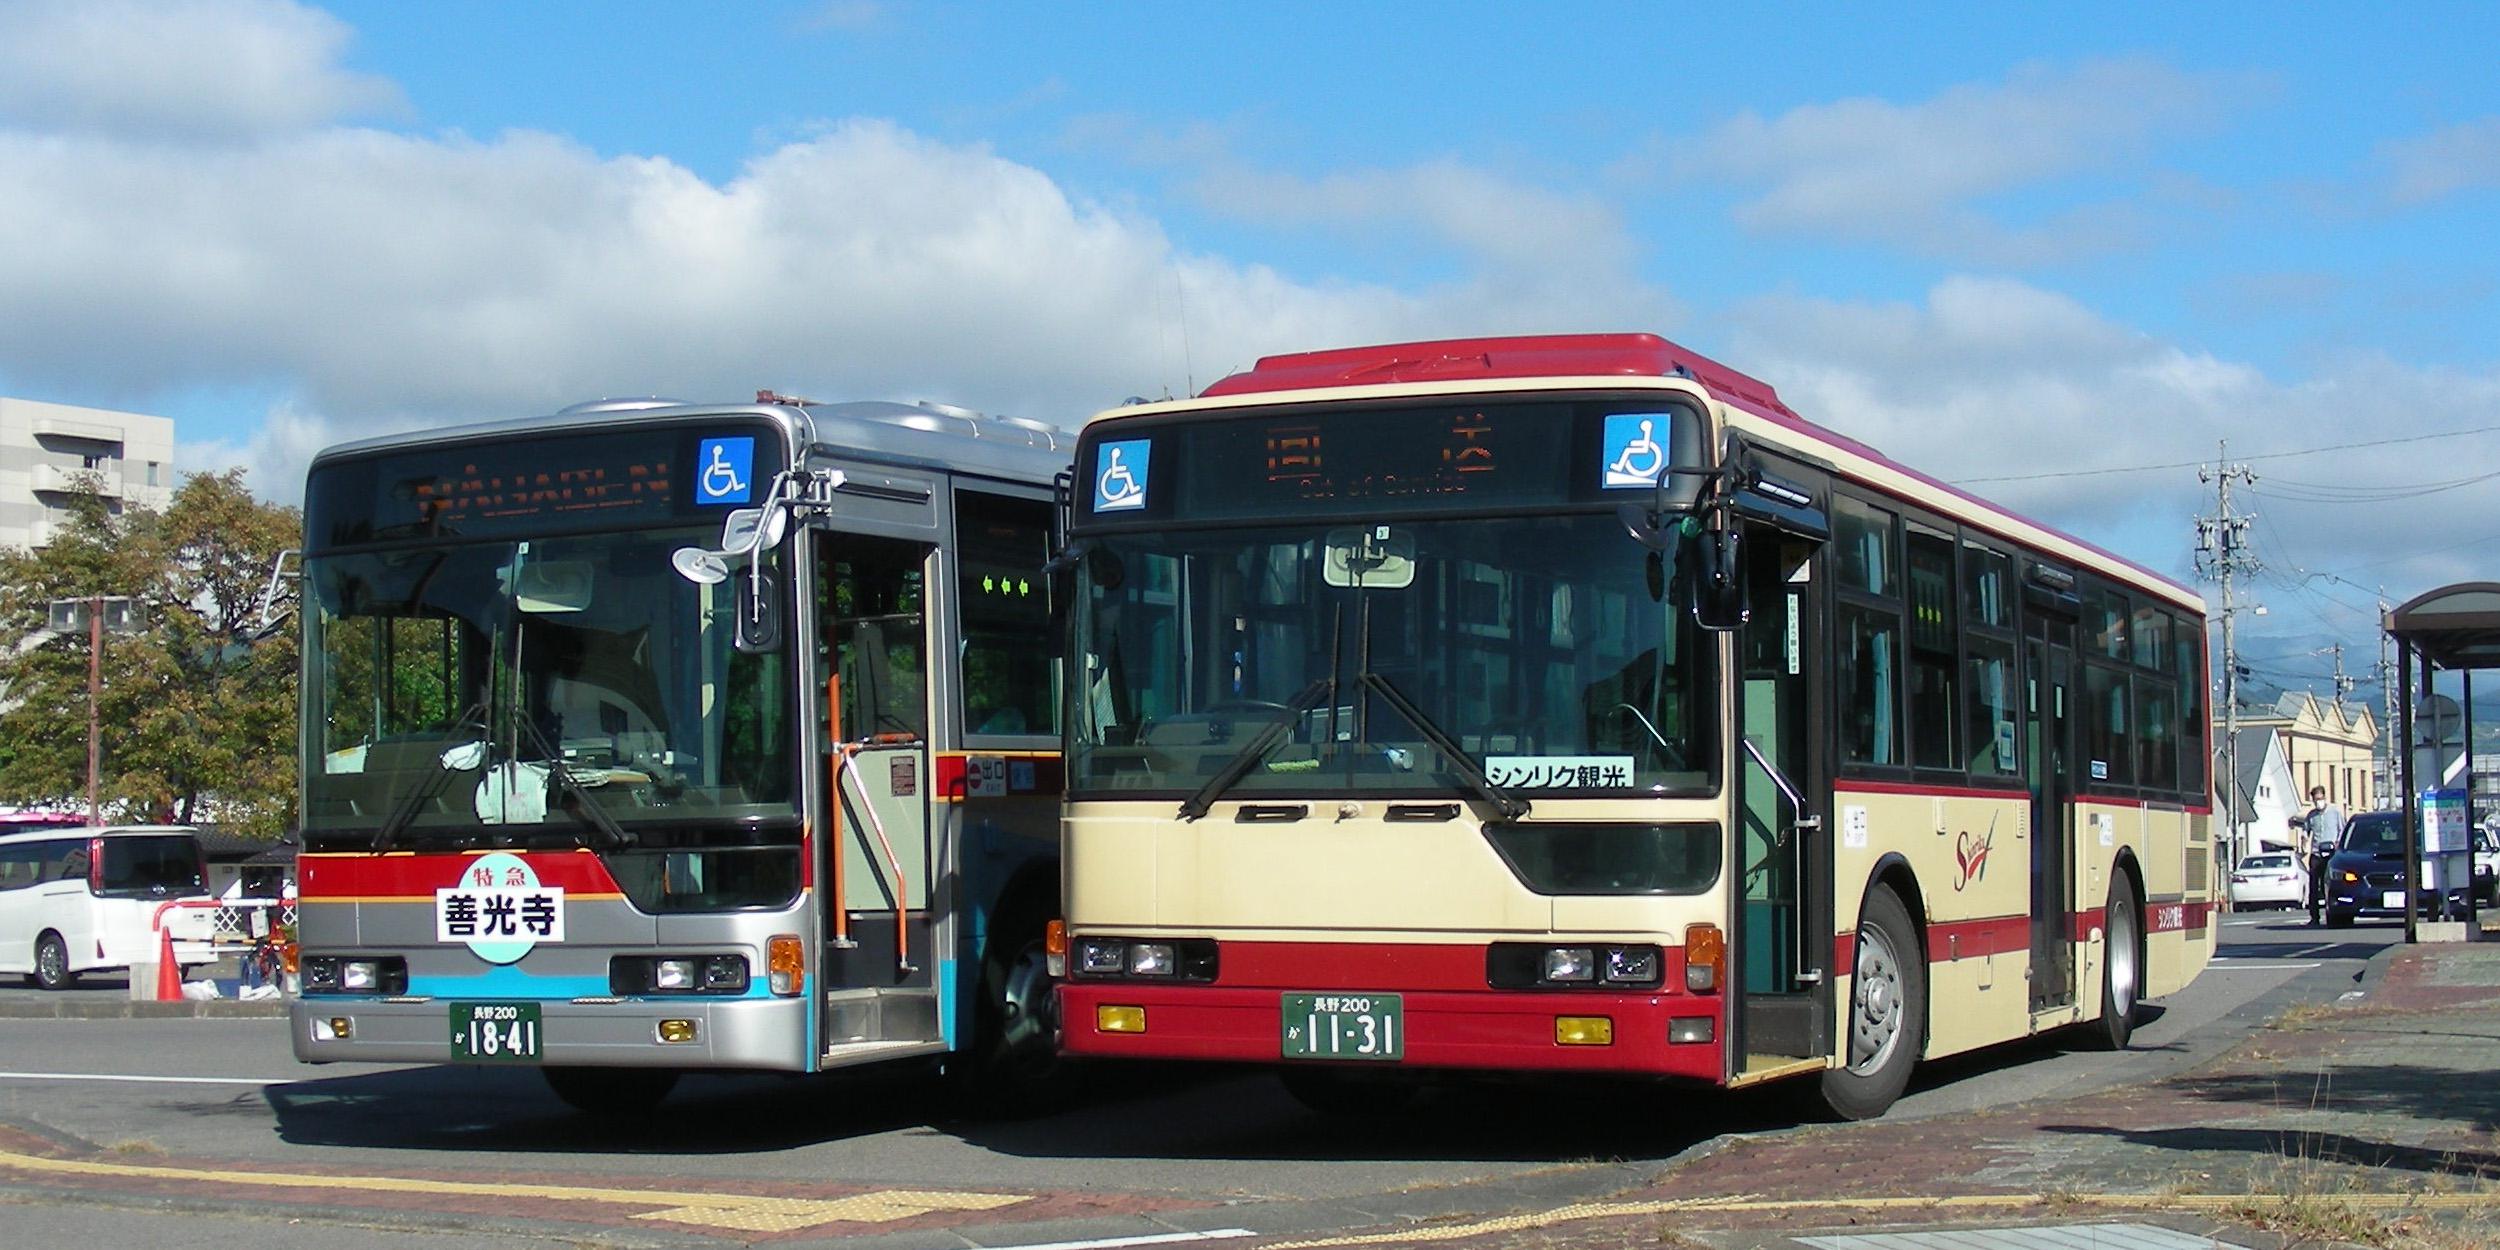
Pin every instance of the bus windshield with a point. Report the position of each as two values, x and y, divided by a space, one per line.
1317 659
575 684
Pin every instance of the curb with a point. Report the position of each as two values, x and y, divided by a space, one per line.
210 1009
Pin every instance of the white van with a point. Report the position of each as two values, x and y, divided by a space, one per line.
86 899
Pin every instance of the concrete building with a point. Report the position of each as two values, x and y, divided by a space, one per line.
45 447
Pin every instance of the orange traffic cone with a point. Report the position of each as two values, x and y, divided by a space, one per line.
168 973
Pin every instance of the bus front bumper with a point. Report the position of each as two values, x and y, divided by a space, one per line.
1488 1030
768 1034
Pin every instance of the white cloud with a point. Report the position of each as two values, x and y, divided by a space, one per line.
179 69
1995 379
273 459
2445 162
1915 175
394 280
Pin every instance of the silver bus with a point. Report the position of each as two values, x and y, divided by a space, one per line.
649 738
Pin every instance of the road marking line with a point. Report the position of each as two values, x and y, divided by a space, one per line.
1151 1239
754 1213
153 1080
2252 965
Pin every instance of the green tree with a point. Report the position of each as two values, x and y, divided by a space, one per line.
198 707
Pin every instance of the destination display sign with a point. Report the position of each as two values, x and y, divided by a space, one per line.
541 484
1384 460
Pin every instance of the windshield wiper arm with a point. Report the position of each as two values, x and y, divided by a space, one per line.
1253 751
583 805
1511 806
415 800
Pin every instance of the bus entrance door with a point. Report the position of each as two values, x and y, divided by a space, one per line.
1782 923
873 649
2048 755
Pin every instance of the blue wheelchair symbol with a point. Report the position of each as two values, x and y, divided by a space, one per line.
1120 475
724 470
1632 454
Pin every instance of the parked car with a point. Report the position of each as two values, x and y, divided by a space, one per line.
2487 867
2366 877
2270 879
87 899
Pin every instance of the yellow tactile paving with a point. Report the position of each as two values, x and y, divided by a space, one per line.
744 1212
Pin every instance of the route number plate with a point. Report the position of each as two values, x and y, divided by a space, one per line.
495 1032
1344 1026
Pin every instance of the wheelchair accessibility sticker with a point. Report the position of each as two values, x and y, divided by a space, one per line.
724 470
1633 454
1120 475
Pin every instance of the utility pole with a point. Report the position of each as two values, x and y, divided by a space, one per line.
2222 554
2388 695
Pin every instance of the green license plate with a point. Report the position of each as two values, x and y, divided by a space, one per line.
495 1032
1345 1026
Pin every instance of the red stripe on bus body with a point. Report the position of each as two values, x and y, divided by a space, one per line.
329 874
1855 786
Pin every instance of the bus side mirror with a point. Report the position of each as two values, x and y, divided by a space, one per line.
759 612
1718 583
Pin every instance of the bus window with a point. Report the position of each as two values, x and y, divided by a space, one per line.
1988 726
2107 733
1932 659
1870 722
1010 677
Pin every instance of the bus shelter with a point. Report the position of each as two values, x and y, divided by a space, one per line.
2457 628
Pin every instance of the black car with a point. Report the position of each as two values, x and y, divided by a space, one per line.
2366 876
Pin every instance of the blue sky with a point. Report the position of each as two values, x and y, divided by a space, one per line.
1997 241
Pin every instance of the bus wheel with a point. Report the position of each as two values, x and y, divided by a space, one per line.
1339 1092
1887 1013
611 1091
52 963
1012 1067
2122 965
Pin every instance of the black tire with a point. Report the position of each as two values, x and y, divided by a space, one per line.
1887 1012
611 1091
1348 1092
1012 1067
52 970
2122 965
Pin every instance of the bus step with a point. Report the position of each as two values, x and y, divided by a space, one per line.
882 1015
844 1054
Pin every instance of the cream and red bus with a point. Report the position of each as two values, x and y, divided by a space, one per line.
1570 704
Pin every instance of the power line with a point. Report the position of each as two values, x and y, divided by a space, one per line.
2197 464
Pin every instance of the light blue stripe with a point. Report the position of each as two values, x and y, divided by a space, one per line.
946 1002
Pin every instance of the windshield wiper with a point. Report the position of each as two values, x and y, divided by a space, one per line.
1253 751
1511 806
611 834
415 800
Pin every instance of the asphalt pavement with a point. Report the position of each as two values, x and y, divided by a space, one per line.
2261 1084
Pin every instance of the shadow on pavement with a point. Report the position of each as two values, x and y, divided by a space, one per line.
2301 1146
1134 1111
2415 1093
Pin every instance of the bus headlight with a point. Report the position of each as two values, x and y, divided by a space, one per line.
1173 959
678 974
340 974
1570 965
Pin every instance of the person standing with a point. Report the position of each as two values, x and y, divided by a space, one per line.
2323 830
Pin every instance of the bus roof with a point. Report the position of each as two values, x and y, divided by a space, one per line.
938 436
1448 366
83 830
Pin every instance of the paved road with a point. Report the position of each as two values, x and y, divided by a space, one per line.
1150 1150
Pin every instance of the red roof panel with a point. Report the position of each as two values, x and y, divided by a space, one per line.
1522 356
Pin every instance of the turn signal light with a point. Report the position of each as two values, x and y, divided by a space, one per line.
1055 948
674 1032
1584 1031
1705 958
785 961
1110 1019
